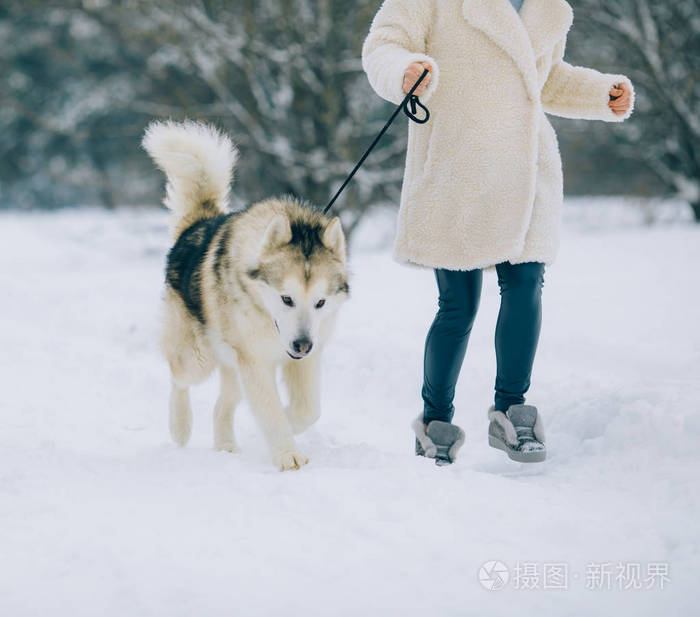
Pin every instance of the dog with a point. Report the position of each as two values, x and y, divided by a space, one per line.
246 292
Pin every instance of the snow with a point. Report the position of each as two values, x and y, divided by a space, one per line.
101 515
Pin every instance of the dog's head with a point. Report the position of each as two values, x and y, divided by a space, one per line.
300 276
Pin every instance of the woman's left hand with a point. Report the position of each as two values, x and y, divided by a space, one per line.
620 98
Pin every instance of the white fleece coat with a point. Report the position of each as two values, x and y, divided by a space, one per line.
483 178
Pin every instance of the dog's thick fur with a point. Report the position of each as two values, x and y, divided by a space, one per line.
245 292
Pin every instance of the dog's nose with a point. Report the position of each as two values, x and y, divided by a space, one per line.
302 345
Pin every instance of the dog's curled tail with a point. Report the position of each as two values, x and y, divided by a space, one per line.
198 161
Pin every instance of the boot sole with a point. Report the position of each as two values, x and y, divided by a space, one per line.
516 455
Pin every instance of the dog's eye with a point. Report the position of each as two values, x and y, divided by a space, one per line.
320 303
287 300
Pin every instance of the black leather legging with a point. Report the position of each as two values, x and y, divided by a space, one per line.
517 333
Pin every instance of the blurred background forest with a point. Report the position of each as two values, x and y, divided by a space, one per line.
82 78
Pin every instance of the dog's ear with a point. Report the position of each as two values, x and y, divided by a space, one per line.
278 232
334 238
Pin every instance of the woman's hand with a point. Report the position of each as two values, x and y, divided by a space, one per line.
412 74
620 98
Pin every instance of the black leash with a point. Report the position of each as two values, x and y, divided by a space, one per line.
409 99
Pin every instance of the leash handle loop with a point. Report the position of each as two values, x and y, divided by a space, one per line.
411 113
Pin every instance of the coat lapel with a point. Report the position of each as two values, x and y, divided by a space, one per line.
523 37
546 22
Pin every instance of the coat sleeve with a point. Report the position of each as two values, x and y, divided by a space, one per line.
396 39
579 92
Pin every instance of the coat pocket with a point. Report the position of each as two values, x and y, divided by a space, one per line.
429 151
420 149
549 146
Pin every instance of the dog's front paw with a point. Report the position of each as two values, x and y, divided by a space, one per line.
290 459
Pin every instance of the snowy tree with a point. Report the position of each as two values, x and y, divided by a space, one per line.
287 78
65 136
657 44
283 78
82 78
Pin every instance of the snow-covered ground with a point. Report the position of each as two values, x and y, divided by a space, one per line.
101 515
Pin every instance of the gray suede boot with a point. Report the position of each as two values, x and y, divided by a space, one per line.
441 440
519 432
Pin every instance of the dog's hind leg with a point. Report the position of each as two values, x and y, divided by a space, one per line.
261 389
191 360
229 397
180 414
302 380
190 366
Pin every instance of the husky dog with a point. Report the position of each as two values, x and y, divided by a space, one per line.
245 292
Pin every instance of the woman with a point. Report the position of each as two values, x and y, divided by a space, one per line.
483 184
